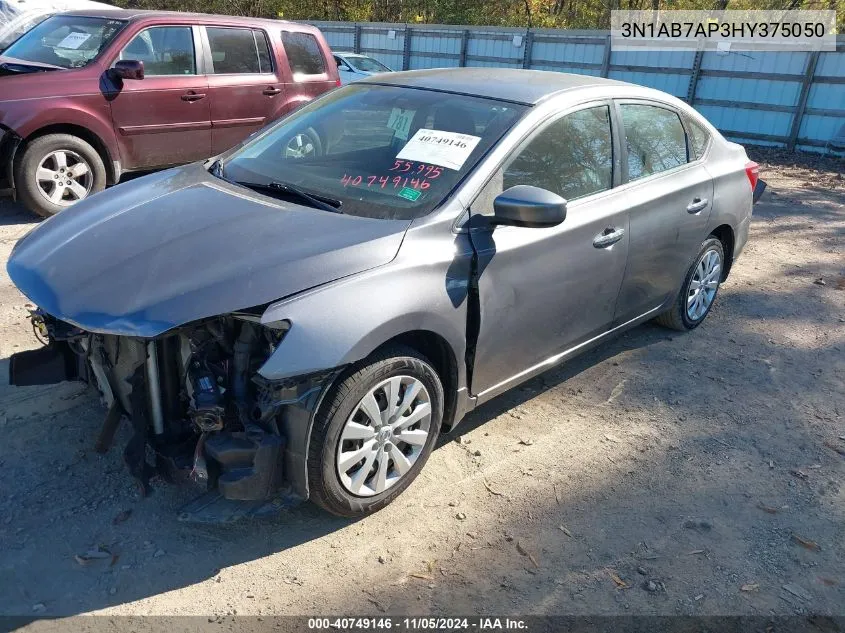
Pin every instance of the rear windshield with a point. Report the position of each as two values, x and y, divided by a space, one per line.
382 151
367 65
65 41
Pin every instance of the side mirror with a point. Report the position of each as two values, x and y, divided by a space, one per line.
128 69
529 207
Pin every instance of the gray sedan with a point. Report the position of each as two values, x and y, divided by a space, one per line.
305 314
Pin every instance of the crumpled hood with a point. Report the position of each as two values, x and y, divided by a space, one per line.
181 245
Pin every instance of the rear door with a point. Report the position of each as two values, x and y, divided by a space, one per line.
670 194
163 119
243 83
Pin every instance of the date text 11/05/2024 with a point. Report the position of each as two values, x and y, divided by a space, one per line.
417 624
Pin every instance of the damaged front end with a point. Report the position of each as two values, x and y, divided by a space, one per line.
197 405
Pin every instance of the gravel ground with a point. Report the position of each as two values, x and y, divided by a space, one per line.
662 473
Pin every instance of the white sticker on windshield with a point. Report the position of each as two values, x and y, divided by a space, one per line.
400 122
74 40
447 149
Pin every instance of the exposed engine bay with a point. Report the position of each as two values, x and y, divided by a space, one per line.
197 405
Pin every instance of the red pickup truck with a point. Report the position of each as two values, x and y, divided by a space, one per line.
89 95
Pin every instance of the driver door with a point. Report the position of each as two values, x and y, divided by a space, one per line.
544 291
165 118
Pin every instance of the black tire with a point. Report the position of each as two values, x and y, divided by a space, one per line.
676 317
326 489
34 152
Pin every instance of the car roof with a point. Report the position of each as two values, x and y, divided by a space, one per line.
506 84
133 15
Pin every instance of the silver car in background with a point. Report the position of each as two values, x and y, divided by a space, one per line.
308 311
354 66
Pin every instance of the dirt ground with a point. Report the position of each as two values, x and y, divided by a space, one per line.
662 473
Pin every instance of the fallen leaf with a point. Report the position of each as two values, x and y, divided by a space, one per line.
121 517
768 509
92 555
492 491
612 438
565 531
820 282
619 582
810 545
525 552
377 604
422 576
750 587
830 582
526 442
799 473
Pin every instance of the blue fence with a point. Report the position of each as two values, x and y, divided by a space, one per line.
784 99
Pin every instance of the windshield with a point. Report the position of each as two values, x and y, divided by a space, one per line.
380 151
367 65
65 41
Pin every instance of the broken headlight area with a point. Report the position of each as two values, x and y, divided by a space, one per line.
197 406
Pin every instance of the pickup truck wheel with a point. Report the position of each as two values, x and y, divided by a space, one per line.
374 432
56 171
698 293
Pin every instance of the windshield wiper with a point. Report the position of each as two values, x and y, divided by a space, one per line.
319 202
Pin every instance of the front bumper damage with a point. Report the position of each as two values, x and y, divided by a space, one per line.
198 407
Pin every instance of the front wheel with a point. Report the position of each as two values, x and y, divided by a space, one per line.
699 290
374 432
56 171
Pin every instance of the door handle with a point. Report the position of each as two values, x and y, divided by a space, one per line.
697 205
271 91
193 96
608 237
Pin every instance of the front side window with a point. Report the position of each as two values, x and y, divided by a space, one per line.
303 53
573 156
655 139
238 51
165 50
379 151
65 41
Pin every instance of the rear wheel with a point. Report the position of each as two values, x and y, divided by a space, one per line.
374 432
57 171
699 290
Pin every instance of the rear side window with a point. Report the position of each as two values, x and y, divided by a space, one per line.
165 50
698 139
303 53
238 51
655 139
572 156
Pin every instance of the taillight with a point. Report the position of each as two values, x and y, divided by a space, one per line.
752 170
337 82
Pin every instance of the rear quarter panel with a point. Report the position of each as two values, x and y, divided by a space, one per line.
732 194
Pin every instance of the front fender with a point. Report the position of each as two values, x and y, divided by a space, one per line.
334 325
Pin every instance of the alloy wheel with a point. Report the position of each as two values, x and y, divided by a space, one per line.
64 177
300 146
704 284
384 436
